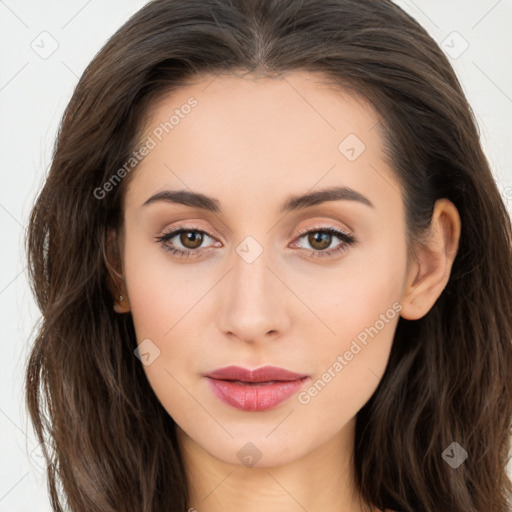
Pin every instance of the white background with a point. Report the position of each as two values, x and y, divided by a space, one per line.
33 94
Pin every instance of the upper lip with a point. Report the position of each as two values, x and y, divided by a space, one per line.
262 374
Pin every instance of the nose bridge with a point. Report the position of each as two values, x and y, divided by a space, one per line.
254 305
250 280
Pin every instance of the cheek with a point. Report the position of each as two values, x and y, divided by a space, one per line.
359 307
161 292
166 300
365 291
350 363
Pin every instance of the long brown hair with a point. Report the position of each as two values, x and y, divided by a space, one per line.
110 445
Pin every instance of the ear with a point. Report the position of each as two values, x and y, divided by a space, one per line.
115 279
429 274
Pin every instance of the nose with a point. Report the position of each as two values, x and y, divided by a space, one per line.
254 301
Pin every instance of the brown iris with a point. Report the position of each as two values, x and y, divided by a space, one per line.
194 238
317 237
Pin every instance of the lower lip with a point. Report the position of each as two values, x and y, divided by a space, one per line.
254 397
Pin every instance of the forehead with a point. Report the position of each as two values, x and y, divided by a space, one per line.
247 131
258 102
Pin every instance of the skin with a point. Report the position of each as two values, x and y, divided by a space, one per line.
251 143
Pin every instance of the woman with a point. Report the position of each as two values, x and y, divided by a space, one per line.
274 270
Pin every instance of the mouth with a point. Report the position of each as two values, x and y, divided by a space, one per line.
252 383
254 390
262 374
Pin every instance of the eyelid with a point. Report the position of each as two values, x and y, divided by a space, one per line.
300 232
344 235
176 230
320 227
185 227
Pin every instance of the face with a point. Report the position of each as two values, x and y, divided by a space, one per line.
257 278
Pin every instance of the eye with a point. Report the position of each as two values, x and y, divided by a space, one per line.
188 241
321 237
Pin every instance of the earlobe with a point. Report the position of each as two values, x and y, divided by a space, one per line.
121 305
115 281
430 272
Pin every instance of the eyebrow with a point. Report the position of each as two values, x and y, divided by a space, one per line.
298 202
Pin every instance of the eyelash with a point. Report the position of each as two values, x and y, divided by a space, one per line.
346 238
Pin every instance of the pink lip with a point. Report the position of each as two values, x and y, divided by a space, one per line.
254 390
